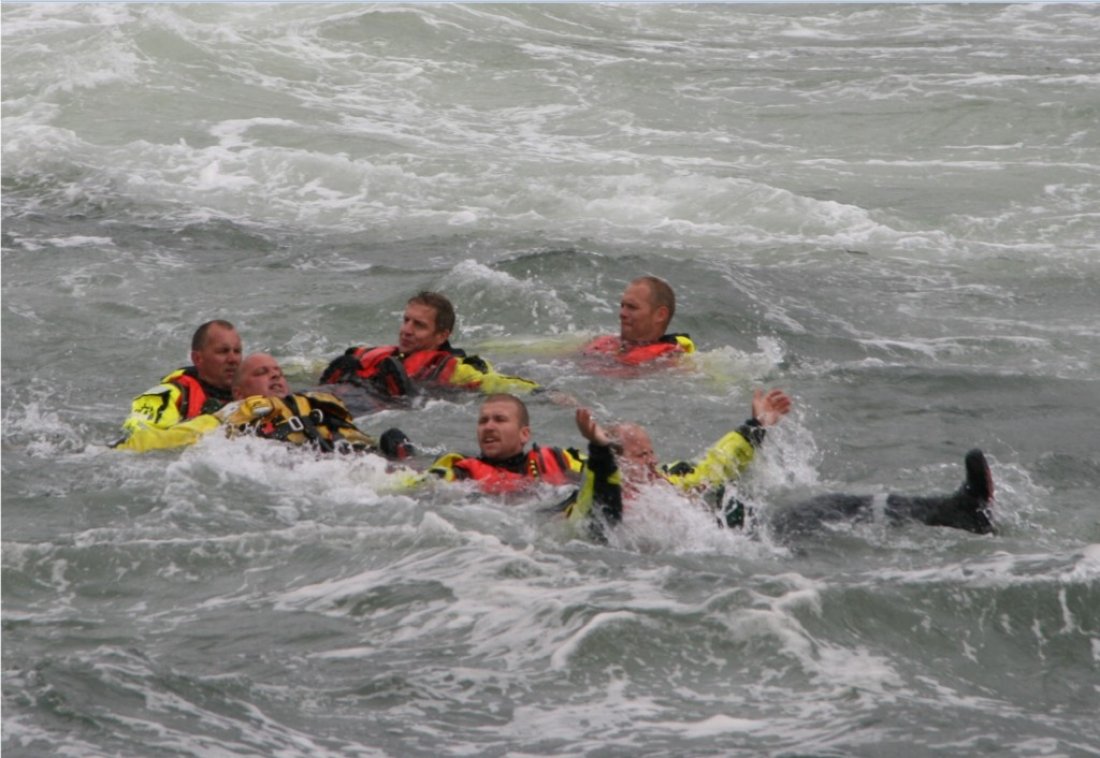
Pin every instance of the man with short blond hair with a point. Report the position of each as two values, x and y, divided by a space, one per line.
504 464
645 312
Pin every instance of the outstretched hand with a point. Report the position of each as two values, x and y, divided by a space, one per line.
589 429
768 408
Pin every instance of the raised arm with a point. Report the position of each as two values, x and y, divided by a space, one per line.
589 429
727 458
601 483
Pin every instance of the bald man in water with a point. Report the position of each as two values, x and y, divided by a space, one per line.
621 461
265 407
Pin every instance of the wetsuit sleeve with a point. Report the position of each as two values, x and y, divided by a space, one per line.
725 460
144 437
157 407
601 489
472 372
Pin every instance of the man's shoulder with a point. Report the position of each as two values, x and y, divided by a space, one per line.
170 384
680 340
180 375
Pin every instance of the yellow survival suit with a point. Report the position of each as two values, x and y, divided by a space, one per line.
318 419
180 396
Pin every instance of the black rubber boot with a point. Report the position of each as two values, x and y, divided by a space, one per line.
968 508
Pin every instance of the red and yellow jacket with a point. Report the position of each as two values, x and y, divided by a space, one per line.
180 396
390 372
317 419
613 347
549 465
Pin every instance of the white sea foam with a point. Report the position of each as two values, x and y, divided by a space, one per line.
890 214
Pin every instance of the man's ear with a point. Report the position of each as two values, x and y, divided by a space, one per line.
663 316
525 434
442 336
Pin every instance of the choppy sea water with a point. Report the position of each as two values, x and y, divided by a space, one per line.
889 211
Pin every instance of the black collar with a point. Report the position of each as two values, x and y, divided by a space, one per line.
517 463
217 393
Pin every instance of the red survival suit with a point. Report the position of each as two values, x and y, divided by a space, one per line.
551 465
613 347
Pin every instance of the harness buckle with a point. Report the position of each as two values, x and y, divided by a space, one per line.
317 416
295 424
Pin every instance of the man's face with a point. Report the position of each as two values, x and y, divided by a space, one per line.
218 358
499 431
261 375
636 458
418 330
639 321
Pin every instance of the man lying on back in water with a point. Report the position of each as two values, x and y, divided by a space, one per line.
265 407
621 460
604 486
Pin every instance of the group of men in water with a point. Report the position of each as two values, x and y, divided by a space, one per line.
249 395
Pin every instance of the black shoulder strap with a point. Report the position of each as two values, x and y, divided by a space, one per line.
303 420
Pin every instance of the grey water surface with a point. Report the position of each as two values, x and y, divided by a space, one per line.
890 211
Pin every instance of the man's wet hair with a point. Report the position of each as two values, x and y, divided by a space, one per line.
660 293
519 405
198 339
444 311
